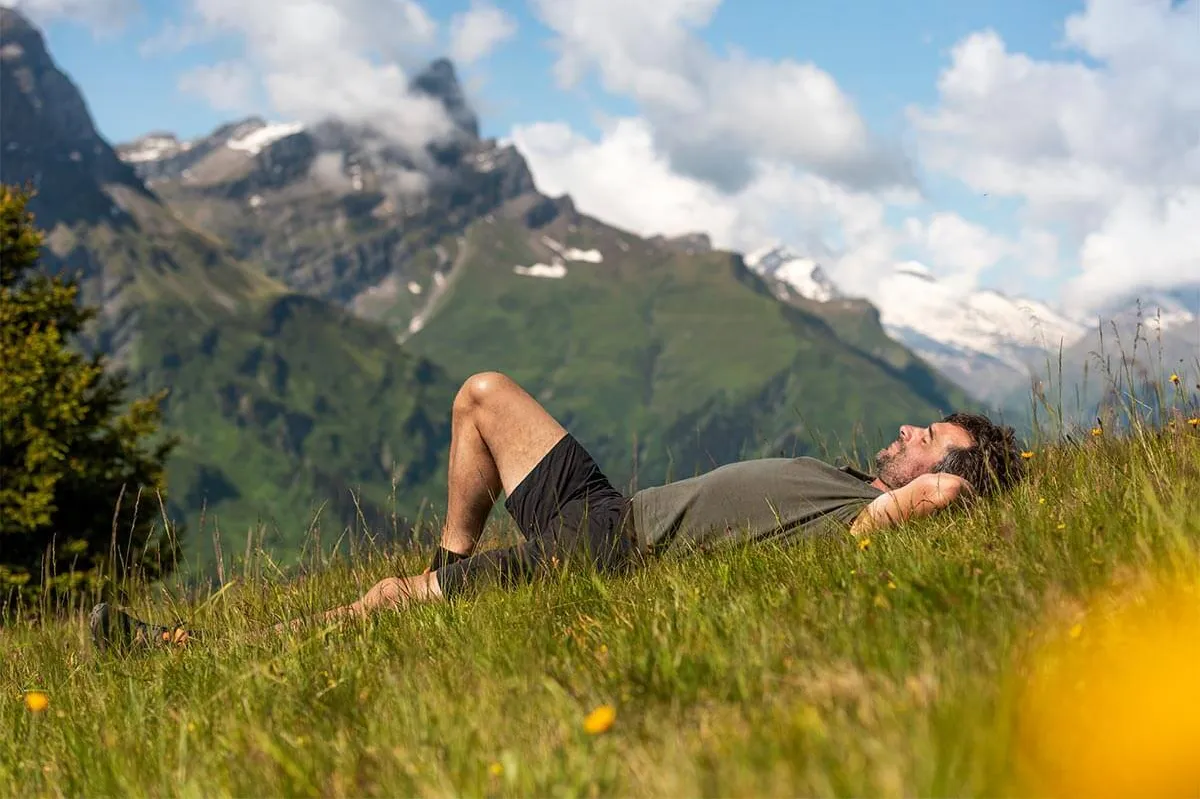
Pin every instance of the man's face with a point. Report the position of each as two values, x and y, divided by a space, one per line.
917 450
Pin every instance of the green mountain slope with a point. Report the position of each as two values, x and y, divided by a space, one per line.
663 362
295 416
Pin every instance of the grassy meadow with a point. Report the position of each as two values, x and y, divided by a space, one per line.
1041 644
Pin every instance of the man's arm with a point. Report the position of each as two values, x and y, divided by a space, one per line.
925 495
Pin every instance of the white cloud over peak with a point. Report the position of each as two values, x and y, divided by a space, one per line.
1104 147
624 180
226 86
475 33
346 58
716 118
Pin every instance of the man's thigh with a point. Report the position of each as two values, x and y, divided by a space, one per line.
559 491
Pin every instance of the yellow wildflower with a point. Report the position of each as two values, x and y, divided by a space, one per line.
1112 712
1175 378
1194 422
1096 431
37 701
863 544
496 769
1026 455
600 720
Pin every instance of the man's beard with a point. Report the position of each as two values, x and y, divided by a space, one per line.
889 466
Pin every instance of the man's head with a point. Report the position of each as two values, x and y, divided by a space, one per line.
971 446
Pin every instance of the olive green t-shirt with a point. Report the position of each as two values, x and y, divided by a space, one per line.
762 499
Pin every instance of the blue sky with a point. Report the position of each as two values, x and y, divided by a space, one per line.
885 54
1048 155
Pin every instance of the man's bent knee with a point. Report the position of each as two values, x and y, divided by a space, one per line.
479 388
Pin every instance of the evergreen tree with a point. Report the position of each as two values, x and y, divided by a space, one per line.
81 473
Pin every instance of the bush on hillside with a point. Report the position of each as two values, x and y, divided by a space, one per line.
80 475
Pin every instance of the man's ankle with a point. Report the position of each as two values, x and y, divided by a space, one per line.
445 557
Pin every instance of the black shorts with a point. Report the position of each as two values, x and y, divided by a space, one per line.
568 511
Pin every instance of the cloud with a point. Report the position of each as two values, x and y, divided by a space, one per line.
104 16
1104 147
350 59
475 33
717 119
1144 242
623 179
226 86
1098 149
958 250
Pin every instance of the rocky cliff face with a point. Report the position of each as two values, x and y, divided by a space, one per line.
49 139
337 210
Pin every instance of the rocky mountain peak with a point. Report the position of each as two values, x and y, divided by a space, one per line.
49 137
440 81
789 272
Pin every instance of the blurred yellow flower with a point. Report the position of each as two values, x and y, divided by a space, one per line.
37 701
1096 431
600 720
863 544
1026 455
1194 422
1113 713
1175 379
496 769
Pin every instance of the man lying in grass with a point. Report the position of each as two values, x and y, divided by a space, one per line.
503 440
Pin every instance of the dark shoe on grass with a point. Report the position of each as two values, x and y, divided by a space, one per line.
116 629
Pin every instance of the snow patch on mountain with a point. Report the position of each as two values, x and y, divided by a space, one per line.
542 270
573 254
259 139
984 340
153 147
789 271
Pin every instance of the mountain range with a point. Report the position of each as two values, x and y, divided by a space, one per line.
312 294
997 347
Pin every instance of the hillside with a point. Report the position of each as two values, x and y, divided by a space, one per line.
664 362
1043 644
283 402
294 415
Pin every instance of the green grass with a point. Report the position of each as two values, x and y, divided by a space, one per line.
827 668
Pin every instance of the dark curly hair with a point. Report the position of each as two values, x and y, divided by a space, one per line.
992 463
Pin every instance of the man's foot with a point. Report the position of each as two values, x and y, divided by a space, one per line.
116 628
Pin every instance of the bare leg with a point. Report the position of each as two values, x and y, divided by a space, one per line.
391 592
498 434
